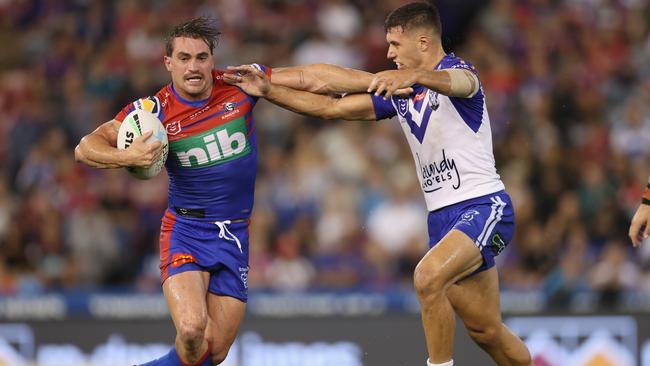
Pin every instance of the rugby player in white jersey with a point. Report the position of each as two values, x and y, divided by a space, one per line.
446 124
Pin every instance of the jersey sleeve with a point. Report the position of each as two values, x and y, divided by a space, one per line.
149 104
462 64
383 108
265 69
470 109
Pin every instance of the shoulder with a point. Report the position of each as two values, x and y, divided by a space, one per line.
451 61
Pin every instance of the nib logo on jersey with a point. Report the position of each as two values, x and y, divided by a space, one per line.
438 173
216 146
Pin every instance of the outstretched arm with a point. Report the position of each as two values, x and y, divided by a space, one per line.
352 107
640 226
98 149
322 79
457 82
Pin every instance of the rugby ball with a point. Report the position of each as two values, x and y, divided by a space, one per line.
134 125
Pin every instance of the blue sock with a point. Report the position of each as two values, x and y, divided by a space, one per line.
172 359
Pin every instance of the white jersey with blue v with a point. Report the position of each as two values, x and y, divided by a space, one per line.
450 139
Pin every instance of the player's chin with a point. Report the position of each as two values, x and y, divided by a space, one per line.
193 89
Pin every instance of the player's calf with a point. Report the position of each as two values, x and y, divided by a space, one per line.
218 356
488 336
500 343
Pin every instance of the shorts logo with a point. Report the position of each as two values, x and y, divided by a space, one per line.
178 259
497 243
243 274
469 216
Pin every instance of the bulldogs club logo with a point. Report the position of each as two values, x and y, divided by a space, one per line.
434 103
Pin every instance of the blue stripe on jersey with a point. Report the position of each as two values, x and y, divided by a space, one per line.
191 103
383 108
216 114
470 109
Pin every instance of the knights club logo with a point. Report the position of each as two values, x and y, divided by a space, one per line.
173 128
229 106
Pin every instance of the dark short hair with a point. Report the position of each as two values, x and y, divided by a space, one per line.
414 15
203 28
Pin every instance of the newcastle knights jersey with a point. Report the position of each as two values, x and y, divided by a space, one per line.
212 161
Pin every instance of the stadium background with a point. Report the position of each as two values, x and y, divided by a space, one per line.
339 220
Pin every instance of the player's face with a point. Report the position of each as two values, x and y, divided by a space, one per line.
191 66
403 48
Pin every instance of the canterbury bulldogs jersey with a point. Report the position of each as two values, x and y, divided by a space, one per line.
450 139
212 160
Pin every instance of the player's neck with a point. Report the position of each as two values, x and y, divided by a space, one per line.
193 97
433 59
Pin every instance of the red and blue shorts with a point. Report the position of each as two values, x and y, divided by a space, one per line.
217 247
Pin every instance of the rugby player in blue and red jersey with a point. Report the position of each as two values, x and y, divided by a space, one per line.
211 167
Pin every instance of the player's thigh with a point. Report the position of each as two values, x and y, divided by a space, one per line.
185 294
454 257
226 314
476 299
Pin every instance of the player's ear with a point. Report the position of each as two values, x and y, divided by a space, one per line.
424 43
168 63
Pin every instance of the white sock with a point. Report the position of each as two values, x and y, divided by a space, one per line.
448 363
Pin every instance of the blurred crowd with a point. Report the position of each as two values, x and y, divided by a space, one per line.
338 204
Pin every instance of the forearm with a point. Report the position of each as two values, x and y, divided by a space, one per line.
95 151
323 79
302 102
352 107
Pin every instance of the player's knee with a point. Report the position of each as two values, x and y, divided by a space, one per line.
428 281
191 333
485 336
